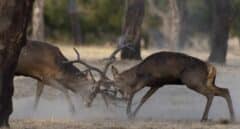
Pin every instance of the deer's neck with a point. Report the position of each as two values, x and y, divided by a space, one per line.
130 75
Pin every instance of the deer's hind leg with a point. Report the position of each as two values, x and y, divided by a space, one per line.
206 86
207 107
224 92
217 91
213 90
198 84
39 90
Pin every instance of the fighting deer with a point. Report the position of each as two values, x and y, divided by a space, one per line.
164 68
46 63
104 85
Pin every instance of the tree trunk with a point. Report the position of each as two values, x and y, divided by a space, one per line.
14 15
170 21
220 30
38 20
174 24
75 23
131 32
183 31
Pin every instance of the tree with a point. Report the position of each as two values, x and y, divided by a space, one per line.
74 20
222 17
170 21
38 20
131 31
182 40
14 15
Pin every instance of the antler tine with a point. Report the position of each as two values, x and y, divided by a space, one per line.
77 53
112 57
78 60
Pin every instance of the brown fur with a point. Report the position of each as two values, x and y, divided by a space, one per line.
46 63
165 68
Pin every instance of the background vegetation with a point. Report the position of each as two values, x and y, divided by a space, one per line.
101 20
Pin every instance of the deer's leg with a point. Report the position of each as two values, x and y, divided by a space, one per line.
129 104
105 100
39 90
72 108
223 92
208 105
202 85
149 93
59 86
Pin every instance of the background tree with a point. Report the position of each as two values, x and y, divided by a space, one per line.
182 40
131 31
170 18
222 18
14 15
38 20
75 23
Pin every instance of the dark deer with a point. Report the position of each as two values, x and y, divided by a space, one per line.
164 68
46 63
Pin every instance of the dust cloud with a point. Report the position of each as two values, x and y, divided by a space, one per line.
169 103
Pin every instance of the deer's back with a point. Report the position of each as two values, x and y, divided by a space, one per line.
169 67
38 59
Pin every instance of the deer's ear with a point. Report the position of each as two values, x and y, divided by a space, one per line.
90 75
114 72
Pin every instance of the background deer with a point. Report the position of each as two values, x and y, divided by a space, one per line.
164 68
46 63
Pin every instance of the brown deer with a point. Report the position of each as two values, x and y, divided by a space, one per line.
164 68
45 63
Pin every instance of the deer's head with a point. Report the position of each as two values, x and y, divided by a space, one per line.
104 85
123 82
87 85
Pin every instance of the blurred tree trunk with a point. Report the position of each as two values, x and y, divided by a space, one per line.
170 21
38 20
183 31
14 15
75 23
131 31
222 16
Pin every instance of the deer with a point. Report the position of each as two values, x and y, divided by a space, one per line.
167 68
45 63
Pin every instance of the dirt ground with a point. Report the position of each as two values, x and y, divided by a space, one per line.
172 107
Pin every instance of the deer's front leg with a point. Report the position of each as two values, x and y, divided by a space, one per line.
40 86
62 88
129 104
149 93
